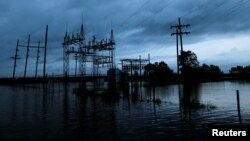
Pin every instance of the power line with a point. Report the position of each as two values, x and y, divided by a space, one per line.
155 13
177 33
149 17
201 6
232 9
134 13
210 13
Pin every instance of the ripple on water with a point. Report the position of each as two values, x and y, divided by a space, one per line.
33 114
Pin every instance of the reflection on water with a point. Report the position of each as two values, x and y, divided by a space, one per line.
136 112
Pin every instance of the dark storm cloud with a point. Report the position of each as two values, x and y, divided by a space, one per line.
139 25
206 18
220 17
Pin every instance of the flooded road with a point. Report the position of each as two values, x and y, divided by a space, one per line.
173 112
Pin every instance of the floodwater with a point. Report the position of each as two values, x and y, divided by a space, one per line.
173 112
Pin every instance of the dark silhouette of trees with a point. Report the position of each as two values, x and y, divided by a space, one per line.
240 70
189 66
192 71
158 73
188 60
210 72
212 69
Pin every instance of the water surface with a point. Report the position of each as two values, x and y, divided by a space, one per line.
174 112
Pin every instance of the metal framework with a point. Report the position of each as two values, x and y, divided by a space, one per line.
28 47
98 53
130 65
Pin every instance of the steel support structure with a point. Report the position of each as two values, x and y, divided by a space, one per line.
98 53
28 47
133 65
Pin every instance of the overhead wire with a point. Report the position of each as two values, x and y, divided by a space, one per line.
149 17
134 13
155 13
199 21
231 10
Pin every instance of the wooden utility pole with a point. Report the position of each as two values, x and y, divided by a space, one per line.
177 48
27 55
178 34
28 47
238 104
76 57
140 65
37 58
45 52
15 59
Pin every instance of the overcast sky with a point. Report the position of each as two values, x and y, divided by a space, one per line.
220 29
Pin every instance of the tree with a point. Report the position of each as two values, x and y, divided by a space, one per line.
189 66
240 70
215 70
188 59
158 72
235 70
207 71
164 71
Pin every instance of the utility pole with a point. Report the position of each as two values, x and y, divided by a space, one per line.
149 58
177 49
179 33
179 27
112 51
37 58
45 52
76 57
27 55
131 69
15 59
140 65
28 47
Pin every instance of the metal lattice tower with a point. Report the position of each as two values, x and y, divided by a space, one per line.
82 51
72 45
112 40
98 53
134 65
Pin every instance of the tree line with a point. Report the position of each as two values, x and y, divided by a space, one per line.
190 70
